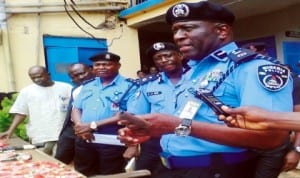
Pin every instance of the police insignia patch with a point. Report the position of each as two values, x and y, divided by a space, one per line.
273 77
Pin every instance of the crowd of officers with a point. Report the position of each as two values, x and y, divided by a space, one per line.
186 138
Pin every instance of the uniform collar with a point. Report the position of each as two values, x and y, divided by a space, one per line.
219 55
164 78
115 80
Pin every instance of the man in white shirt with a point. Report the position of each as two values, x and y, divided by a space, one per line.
45 103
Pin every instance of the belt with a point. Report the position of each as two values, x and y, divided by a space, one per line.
215 159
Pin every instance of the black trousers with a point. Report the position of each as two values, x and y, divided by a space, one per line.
95 159
149 156
65 151
244 169
270 162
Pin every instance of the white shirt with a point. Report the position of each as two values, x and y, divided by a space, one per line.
76 91
46 108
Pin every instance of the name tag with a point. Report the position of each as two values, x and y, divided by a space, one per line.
154 93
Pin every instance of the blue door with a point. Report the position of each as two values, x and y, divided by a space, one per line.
62 51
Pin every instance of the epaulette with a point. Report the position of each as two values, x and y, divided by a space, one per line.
268 58
88 81
148 79
241 55
133 81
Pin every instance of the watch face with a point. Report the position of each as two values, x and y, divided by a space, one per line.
182 130
297 149
93 125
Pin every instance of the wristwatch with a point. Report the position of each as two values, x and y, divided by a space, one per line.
184 128
93 125
297 149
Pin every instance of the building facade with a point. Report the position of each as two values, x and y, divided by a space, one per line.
56 33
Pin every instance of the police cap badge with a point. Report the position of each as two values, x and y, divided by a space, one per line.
160 46
105 56
203 10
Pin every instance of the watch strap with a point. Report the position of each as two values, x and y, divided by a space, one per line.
186 122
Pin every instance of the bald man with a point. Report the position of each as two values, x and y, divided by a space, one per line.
45 103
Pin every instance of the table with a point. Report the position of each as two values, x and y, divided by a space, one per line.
38 156
41 165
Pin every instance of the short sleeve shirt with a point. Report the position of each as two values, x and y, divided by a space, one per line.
46 108
98 102
241 87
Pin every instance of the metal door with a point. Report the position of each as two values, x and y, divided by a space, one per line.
62 51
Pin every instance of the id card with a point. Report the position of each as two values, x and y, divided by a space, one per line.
190 109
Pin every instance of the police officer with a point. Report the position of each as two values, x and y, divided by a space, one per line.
202 146
79 73
93 115
155 95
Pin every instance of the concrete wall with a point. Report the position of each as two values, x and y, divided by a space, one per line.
24 46
272 24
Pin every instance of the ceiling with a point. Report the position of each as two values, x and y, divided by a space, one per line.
247 8
241 9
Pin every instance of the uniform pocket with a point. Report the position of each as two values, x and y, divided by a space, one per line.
157 99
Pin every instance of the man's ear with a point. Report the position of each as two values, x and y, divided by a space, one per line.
223 30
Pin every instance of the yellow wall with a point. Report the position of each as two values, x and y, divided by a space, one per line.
25 31
25 37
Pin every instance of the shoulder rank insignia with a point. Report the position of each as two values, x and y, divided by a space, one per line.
241 55
273 77
149 79
133 81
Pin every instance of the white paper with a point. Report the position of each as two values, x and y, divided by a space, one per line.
130 165
107 139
